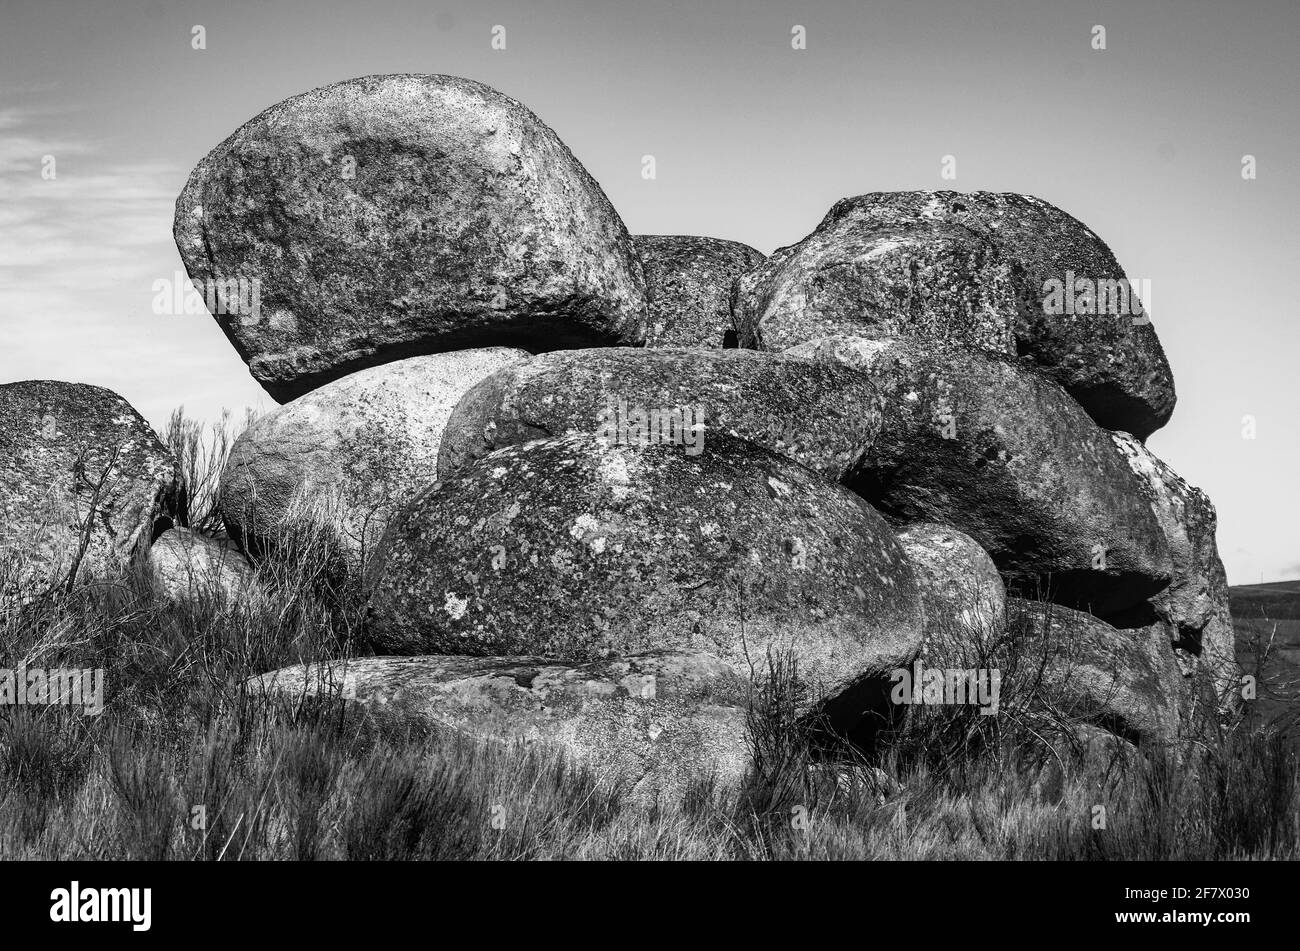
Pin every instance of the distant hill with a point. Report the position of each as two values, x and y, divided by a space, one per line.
1277 600
1264 613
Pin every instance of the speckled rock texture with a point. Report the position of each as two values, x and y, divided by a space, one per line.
189 567
970 269
1123 679
819 414
1005 455
870 277
390 216
1195 605
77 462
350 453
576 550
963 594
655 722
689 286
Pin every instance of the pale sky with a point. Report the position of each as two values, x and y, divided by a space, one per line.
753 141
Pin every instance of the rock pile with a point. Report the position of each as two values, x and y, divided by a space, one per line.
884 433
593 482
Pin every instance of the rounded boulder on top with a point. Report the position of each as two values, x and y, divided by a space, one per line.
992 271
390 216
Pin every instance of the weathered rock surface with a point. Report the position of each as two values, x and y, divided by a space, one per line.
1084 752
655 722
1195 605
1006 456
963 594
1123 679
350 453
389 216
819 414
689 285
577 550
861 276
974 269
189 567
78 465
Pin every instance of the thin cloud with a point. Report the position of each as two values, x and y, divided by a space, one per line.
81 250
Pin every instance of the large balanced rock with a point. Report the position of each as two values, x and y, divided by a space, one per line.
187 567
819 414
576 549
1123 679
388 216
688 287
1003 272
654 723
346 455
1006 456
964 597
1195 605
84 481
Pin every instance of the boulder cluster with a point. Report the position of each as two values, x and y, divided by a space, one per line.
591 482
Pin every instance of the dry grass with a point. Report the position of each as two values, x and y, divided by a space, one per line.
202 455
186 764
